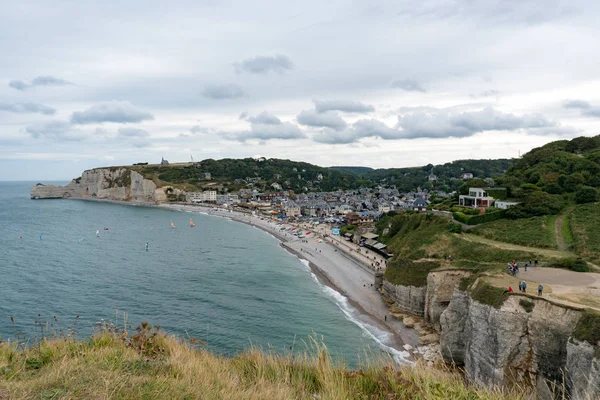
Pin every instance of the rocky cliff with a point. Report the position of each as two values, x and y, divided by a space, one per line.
115 183
523 341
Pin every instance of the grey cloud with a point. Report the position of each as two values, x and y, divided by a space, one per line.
591 112
19 85
349 106
133 133
362 128
223 92
264 64
410 85
580 104
38 81
587 110
27 108
265 118
444 124
56 130
321 119
265 127
112 111
243 115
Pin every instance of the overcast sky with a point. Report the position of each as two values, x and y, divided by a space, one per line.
373 83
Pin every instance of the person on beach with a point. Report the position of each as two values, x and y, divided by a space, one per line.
540 289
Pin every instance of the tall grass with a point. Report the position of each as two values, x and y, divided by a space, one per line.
531 232
109 365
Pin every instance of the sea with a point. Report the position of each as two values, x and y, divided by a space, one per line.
223 282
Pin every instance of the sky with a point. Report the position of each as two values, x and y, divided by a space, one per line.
373 83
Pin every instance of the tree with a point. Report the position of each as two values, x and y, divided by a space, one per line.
586 194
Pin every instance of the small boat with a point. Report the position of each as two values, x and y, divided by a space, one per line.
172 225
105 229
192 224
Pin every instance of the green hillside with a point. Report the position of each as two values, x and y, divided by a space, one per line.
260 173
360 171
448 175
549 177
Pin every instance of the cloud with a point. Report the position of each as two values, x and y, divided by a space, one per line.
27 108
38 81
113 111
444 124
326 119
587 110
223 92
243 115
266 126
265 118
410 85
56 130
284 131
349 106
264 64
133 133
579 104
362 128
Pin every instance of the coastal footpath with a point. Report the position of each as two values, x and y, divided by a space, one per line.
520 340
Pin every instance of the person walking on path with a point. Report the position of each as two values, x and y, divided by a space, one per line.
536 262
524 287
525 266
540 289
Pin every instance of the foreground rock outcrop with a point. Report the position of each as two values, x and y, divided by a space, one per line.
523 342
115 183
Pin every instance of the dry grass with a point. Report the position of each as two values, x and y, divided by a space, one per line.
111 365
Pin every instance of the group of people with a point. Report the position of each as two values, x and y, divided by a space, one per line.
523 288
513 267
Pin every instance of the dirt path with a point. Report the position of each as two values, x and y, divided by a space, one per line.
510 246
560 240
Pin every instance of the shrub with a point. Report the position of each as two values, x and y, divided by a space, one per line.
347 229
479 219
588 327
586 194
527 305
536 204
460 217
488 294
409 273
573 264
454 228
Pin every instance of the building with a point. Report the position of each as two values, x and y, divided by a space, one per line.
504 204
163 161
276 186
208 196
228 199
319 177
207 176
420 204
477 197
466 176
291 209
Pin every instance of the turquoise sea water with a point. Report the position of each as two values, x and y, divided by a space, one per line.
226 283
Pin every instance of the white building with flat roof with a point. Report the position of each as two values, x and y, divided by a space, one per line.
208 196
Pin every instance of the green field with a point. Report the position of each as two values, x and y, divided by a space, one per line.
531 232
585 228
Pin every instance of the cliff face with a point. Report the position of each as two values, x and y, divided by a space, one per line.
583 367
409 299
526 341
106 183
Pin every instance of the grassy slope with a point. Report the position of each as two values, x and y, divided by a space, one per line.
106 367
426 236
532 232
584 223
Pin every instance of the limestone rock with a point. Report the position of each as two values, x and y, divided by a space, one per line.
440 288
408 299
583 370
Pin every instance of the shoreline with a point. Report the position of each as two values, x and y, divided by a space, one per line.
333 269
